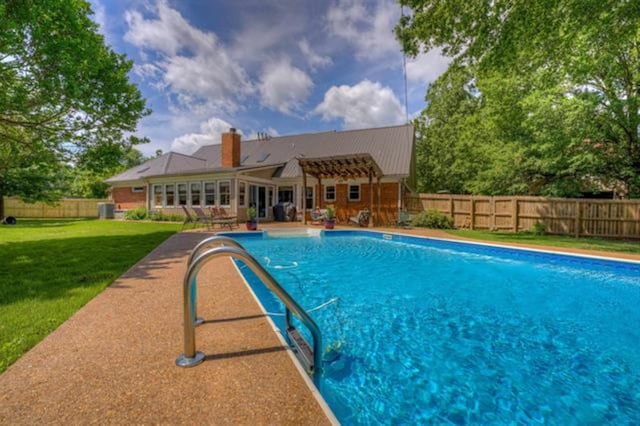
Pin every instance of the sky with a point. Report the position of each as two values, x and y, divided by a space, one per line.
277 67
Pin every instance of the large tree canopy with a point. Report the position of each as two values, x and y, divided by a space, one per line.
96 164
555 96
62 91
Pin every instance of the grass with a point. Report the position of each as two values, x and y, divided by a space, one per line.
601 244
51 268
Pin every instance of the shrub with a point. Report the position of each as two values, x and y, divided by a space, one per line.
539 229
139 213
163 217
432 219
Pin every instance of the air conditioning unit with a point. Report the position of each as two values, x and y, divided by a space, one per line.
106 210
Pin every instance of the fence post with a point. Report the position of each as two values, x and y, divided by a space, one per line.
514 214
451 206
473 213
578 225
492 212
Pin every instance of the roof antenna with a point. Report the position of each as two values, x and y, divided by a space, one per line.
404 74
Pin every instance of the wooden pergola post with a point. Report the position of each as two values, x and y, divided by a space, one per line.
378 202
304 196
370 196
320 195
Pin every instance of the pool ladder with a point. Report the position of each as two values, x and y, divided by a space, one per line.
310 358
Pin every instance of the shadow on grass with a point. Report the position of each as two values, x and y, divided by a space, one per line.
44 223
55 268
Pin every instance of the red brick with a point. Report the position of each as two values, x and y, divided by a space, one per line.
125 199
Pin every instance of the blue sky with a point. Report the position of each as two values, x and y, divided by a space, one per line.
281 67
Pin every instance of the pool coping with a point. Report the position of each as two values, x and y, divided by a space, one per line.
558 252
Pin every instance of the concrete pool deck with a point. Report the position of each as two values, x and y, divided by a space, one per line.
113 361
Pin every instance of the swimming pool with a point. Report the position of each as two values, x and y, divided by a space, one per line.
438 331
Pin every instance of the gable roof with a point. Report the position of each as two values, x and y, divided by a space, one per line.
166 164
391 148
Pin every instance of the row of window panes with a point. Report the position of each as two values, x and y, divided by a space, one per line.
330 194
182 194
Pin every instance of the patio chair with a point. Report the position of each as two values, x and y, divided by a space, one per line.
201 217
404 219
362 219
220 217
221 213
318 216
188 218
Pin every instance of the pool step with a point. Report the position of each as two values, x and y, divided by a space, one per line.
301 348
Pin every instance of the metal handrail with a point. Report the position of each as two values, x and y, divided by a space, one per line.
207 242
191 357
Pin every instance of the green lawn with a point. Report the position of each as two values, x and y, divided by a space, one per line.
51 268
625 246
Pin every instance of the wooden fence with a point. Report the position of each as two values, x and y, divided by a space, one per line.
578 217
67 207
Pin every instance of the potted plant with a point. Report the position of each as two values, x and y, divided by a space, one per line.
329 218
252 222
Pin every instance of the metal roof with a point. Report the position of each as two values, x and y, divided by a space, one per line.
390 147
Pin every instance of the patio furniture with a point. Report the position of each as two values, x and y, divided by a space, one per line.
221 213
188 218
220 217
318 216
202 217
404 219
362 218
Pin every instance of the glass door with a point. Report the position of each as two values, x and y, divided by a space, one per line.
258 199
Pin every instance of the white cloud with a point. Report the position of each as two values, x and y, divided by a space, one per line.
194 65
99 15
369 29
367 104
315 60
284 87
210 133
426 67
147 71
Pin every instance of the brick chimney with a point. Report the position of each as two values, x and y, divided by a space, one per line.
230 149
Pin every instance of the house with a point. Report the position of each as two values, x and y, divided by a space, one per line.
350 170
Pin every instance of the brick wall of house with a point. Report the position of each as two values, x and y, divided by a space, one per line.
124 198
346 209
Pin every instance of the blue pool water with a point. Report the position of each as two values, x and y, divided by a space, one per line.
445 332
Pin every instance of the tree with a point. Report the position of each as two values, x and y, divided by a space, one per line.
62 92
97 164
579 58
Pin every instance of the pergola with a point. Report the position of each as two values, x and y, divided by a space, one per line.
351 166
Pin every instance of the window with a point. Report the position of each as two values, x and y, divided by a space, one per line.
330 193
182 194
308 198
285 194
225 193
209 194
242 194
137 189
270 197
169 195
157 195
195 193
354 192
